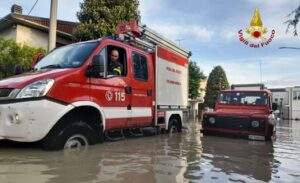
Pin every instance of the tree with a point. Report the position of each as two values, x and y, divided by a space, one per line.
99 18
15 56
195 76
217 81
294 21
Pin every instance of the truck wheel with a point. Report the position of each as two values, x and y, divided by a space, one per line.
174 125
75 135
270 133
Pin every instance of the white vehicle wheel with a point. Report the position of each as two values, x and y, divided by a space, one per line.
76 141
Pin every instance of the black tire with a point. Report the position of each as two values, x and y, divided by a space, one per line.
174 124
271 133
63 134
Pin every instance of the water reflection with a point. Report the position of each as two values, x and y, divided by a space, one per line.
186 157
239 160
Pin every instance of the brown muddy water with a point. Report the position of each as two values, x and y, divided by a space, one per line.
186 157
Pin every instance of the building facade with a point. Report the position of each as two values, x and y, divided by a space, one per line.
288 101
294 93
34 30
195 104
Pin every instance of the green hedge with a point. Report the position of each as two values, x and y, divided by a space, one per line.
15 56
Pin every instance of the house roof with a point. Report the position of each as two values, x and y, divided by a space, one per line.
64 28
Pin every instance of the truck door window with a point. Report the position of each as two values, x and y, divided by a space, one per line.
116 61
140 67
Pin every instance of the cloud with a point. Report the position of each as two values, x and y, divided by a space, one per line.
209 28
290 80
276 71
148 8
184 32
274 14
70 12
272 5
163 17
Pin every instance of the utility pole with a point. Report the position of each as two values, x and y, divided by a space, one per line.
179 41
53 25
260 72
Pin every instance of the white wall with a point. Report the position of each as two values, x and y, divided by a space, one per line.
281 95
295 103
31 37
34 37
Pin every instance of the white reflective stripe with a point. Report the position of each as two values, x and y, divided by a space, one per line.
123 112
141 112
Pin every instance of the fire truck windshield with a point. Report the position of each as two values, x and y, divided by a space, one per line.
243 98
70 56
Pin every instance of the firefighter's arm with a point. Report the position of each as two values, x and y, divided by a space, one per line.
117 71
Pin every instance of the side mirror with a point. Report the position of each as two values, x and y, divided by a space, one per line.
274 106
38 57
97 68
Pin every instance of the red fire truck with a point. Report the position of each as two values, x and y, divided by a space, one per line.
245 111
71 100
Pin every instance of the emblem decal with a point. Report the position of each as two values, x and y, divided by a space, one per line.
109 95
255 36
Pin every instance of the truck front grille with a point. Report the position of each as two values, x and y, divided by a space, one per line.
235 123
232 123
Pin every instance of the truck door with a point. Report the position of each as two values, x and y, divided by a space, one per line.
109 92
142 82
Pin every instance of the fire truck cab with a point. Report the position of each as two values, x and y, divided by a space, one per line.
71 99
245 111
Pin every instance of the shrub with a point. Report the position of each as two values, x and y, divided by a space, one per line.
15 57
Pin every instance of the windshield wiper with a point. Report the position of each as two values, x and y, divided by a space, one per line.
53 66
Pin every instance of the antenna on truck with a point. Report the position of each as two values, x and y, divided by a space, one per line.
146 37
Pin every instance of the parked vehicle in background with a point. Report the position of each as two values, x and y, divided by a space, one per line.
245 111
71 100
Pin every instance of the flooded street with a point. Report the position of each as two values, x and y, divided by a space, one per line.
186 157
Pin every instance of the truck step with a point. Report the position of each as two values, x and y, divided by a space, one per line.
135 132
115 135
151 131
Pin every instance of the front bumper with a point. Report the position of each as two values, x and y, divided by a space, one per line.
240 126
29 121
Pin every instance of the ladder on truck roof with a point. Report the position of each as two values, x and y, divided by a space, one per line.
148 38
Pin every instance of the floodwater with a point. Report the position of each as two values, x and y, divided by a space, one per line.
186 157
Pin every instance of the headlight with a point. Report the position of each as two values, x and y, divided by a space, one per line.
36 89
212 120
255 124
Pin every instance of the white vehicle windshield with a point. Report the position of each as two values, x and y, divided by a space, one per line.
70 56
244 98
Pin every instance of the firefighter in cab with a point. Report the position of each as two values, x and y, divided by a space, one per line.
115 67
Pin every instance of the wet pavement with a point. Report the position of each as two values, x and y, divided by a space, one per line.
186 157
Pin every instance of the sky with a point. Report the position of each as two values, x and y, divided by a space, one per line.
209 28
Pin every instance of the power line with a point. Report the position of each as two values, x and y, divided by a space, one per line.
33 6
293 48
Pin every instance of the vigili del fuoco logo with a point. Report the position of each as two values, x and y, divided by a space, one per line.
256 35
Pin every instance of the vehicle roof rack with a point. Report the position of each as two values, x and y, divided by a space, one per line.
142 36
247 86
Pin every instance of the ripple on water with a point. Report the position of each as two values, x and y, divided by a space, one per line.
186 157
